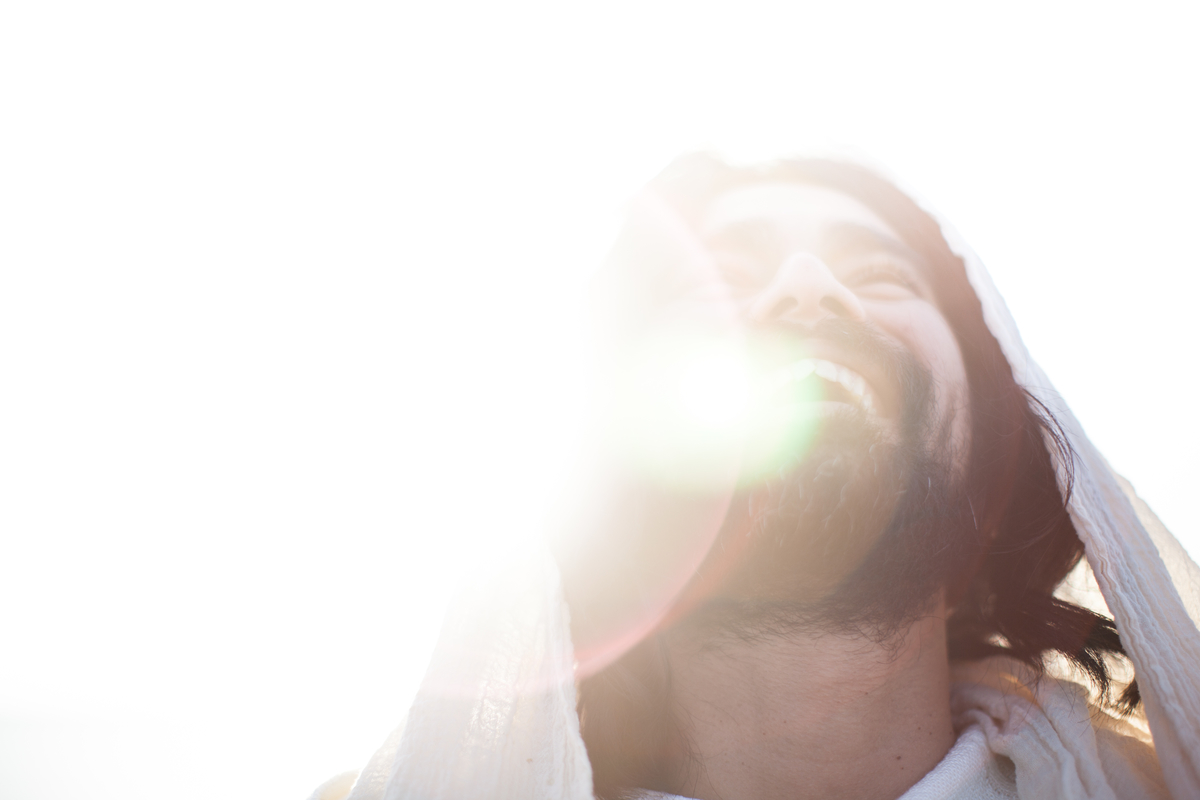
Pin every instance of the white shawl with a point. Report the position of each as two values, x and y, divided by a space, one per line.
495 716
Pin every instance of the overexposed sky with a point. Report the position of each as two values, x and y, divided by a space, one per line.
288 295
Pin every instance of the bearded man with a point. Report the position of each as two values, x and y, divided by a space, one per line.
849 579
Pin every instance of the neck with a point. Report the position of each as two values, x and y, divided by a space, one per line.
801 716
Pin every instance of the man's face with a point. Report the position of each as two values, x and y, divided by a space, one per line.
797 255
879 487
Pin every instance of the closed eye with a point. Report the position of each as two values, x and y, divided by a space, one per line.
739 270
883 276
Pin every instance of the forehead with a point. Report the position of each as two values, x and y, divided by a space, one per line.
801 213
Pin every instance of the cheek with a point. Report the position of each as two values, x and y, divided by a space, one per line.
922 329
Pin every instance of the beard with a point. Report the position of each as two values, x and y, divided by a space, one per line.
856 534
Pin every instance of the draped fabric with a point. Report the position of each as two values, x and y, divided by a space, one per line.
1148 581
495 716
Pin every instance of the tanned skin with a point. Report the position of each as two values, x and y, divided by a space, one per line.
811 716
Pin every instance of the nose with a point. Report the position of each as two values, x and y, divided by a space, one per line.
804 291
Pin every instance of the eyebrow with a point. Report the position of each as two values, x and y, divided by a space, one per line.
756 233
848 239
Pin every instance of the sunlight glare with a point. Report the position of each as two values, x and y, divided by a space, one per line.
288 286
713 390
681 409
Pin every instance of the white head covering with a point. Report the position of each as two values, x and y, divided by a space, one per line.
1148 581
496 714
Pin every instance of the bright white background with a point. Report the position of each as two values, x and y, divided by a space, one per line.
288 292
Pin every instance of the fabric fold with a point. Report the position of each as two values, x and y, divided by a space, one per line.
497 706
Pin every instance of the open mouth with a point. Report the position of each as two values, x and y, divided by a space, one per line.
835 383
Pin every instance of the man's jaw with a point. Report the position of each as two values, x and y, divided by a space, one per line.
805 526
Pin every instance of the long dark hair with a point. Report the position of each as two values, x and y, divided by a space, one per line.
1001 576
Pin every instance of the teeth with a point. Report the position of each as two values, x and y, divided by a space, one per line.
852 381
827 370
794 372
834 373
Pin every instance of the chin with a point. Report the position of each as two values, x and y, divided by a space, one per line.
836 537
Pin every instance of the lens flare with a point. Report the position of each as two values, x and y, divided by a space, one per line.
713 389
696 411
